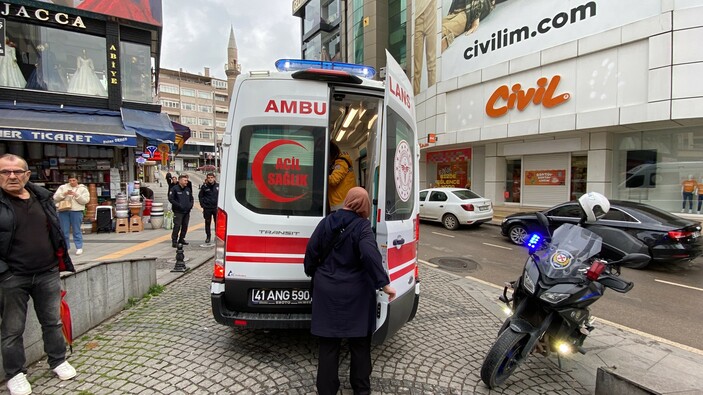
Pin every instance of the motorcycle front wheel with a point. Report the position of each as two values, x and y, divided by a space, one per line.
503 358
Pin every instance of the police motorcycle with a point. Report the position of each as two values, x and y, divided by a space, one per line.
563 275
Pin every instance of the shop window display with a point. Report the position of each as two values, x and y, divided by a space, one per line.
136 72
47 59
10 73
660 168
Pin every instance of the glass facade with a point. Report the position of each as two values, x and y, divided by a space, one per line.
324 46
48 59
660 168
321 30
331 11
357 39
312 17
397 31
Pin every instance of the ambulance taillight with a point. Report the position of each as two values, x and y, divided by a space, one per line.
218 274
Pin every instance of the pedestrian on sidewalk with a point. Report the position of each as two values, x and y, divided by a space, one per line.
32 253
71 219
343 260
169 181
208 201
181 198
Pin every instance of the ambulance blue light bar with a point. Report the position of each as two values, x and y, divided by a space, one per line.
359 70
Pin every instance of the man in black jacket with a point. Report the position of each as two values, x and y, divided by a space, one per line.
208 201
181 198
32 252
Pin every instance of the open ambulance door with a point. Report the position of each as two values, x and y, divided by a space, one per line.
395 189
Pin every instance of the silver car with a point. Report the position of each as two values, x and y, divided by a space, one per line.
454 206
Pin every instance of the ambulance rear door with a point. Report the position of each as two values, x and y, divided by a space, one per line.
395 195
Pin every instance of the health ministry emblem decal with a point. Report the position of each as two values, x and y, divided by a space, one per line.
561 259
403 170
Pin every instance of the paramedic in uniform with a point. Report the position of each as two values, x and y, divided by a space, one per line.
344 291
341 178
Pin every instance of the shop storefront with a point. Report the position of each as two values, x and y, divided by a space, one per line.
571 97
449 169
76 93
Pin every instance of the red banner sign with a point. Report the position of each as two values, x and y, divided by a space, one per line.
451 175
545 177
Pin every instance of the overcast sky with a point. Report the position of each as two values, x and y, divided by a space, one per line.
196 32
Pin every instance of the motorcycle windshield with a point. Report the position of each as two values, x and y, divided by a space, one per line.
570 248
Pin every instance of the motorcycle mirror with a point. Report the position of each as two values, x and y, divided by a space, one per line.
544 221
632 259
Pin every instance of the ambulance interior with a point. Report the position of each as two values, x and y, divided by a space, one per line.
353 123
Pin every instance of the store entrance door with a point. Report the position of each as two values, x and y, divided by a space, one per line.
513 180
579 169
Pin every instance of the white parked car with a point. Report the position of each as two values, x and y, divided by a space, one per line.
454 206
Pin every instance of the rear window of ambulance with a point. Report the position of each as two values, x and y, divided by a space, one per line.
281 170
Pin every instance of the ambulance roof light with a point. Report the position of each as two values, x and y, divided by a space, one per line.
359 70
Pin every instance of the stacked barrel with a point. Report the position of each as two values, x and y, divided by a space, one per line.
91 207
157 215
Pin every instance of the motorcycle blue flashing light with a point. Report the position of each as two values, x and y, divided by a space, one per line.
358 70
533 241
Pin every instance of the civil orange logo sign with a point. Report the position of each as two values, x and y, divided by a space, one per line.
504 98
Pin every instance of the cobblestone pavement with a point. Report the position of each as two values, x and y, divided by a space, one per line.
170 344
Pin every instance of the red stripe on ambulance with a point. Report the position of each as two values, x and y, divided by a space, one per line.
267 245
265 259
402 255
400 273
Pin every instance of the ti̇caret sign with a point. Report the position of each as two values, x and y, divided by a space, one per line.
67 137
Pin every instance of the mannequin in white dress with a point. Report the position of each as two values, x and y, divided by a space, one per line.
84 80
10 73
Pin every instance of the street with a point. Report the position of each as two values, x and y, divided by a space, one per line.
170 344
664 302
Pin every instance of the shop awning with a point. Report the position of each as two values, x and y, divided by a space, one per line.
68 125
150 125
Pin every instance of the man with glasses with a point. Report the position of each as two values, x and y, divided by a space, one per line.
32 252
208 201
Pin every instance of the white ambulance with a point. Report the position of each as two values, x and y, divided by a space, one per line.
273 187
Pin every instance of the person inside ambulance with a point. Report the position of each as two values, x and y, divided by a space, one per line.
340 179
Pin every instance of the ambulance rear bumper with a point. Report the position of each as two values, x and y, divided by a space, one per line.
246 320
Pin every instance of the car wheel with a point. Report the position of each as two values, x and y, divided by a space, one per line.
450 222
517 234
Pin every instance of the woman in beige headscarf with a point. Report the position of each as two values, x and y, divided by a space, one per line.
343 260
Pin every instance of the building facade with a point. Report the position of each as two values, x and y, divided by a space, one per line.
200 102
535 108
354 31
77 93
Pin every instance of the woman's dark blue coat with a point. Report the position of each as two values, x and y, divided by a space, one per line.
345 284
